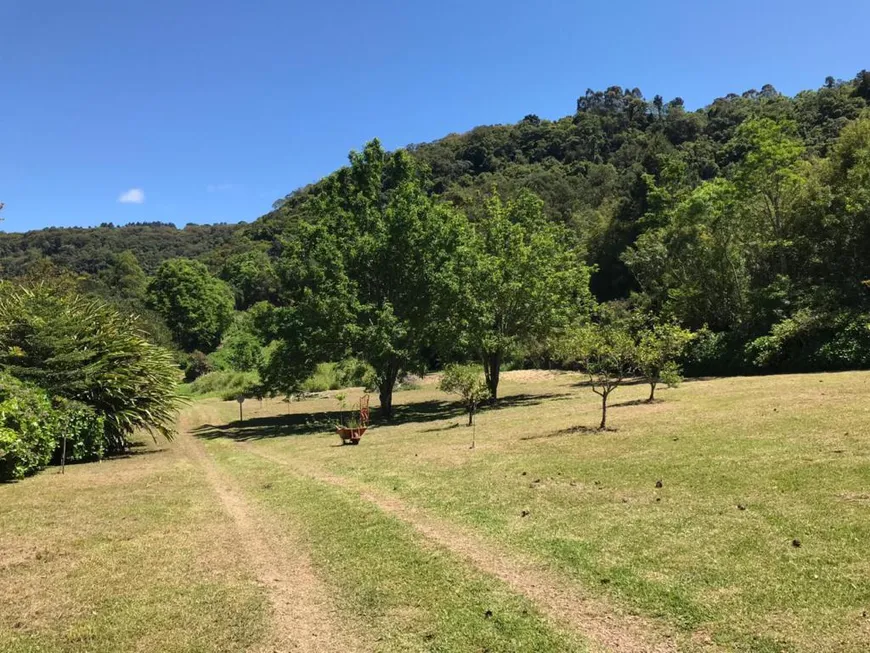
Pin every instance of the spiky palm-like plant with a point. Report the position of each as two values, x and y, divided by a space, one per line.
82 349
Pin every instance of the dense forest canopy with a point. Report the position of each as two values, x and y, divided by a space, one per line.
88 250
746 221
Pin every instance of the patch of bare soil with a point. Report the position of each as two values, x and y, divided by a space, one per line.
303 616
529 376
856 497
607 628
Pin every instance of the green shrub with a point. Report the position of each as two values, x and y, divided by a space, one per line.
353 372
243 351
222 383
27 429
85 431
408 382
324 378
82 349
198 364
813 341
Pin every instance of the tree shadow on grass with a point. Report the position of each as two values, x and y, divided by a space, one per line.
634 402
571 430
259 428
133 453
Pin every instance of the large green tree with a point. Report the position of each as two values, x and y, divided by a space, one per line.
315 311
515 280
370 245
196 306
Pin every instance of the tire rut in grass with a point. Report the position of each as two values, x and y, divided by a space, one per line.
303 617
606 628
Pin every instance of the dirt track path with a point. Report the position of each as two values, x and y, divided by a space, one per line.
303 617
606 629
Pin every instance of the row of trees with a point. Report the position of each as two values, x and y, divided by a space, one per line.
379 270
376 268
609 349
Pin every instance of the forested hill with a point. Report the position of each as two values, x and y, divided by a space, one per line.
597 169
89 250
747 221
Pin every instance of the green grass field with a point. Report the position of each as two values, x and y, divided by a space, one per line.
548 536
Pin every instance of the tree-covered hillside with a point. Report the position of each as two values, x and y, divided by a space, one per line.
749 217
595 169
89 250
746 221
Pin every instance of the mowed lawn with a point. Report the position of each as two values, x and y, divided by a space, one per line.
757 540
131 554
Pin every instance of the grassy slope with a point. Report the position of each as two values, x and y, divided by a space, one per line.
387 580
137 555
791 449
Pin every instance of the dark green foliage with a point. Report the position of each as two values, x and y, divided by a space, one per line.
196 306
27 428
197 365
124 276
82 349
90 250
251 276
84 430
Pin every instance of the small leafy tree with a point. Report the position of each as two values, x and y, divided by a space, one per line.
608 354
468 382
658 349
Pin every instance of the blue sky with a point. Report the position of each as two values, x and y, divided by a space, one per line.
196 111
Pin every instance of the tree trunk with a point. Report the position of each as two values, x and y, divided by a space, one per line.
492 370
471 415
652 391
603 424
385 392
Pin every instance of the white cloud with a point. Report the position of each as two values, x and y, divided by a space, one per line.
219 188
132 196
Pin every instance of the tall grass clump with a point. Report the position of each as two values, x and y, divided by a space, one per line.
221 383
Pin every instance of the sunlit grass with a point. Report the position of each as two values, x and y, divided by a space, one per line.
124 555
792 451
